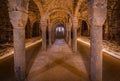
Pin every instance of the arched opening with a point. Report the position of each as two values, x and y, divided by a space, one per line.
6 28
28 30
36 29
84 29
60 32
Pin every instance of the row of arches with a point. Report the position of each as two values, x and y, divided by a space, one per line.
33 31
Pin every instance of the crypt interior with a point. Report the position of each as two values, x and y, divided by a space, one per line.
59 40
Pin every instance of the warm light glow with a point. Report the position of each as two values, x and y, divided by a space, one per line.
60 29
38 41
12 51
104 50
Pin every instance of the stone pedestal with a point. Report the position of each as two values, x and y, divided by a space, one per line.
19 53
96 53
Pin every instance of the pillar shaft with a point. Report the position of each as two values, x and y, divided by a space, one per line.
74 40
75 25
67 33
97 15
80 25
50 36
19 53
69 42
43 27
96 53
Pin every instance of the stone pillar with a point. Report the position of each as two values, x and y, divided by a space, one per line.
19 52
96 53
67 32
19 20
18 17
75 25
97 15
50 35
106 31
53 33
69 41
43 27
80 25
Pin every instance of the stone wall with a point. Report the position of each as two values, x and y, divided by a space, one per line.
5 25
114 23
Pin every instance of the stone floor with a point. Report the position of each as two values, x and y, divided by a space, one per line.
58 63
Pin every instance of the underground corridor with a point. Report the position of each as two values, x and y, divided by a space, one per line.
59 40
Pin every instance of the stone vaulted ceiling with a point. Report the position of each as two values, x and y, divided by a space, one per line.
57 8
49 5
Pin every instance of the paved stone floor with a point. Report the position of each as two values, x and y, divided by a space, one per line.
58 63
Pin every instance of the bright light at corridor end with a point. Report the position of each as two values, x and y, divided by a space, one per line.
104 50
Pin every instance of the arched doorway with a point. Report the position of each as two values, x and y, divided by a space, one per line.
60 32
36 29
84 29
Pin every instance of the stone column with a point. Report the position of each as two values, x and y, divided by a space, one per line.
106 31
67 32
43 27
97 16
80 25
53 33
96 53
69 41
18 17
50 35
19 20
19 52
75 25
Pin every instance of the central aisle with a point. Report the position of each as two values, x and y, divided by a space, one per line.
58 63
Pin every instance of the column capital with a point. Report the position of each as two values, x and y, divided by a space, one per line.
18 18
43 25
19 28
97 12
75 22
75 19
94 25
14 5
43 22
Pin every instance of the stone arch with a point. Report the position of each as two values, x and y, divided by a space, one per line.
32 22
56 10
57 20
54 27
60 34
84 28
39 5
36 29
